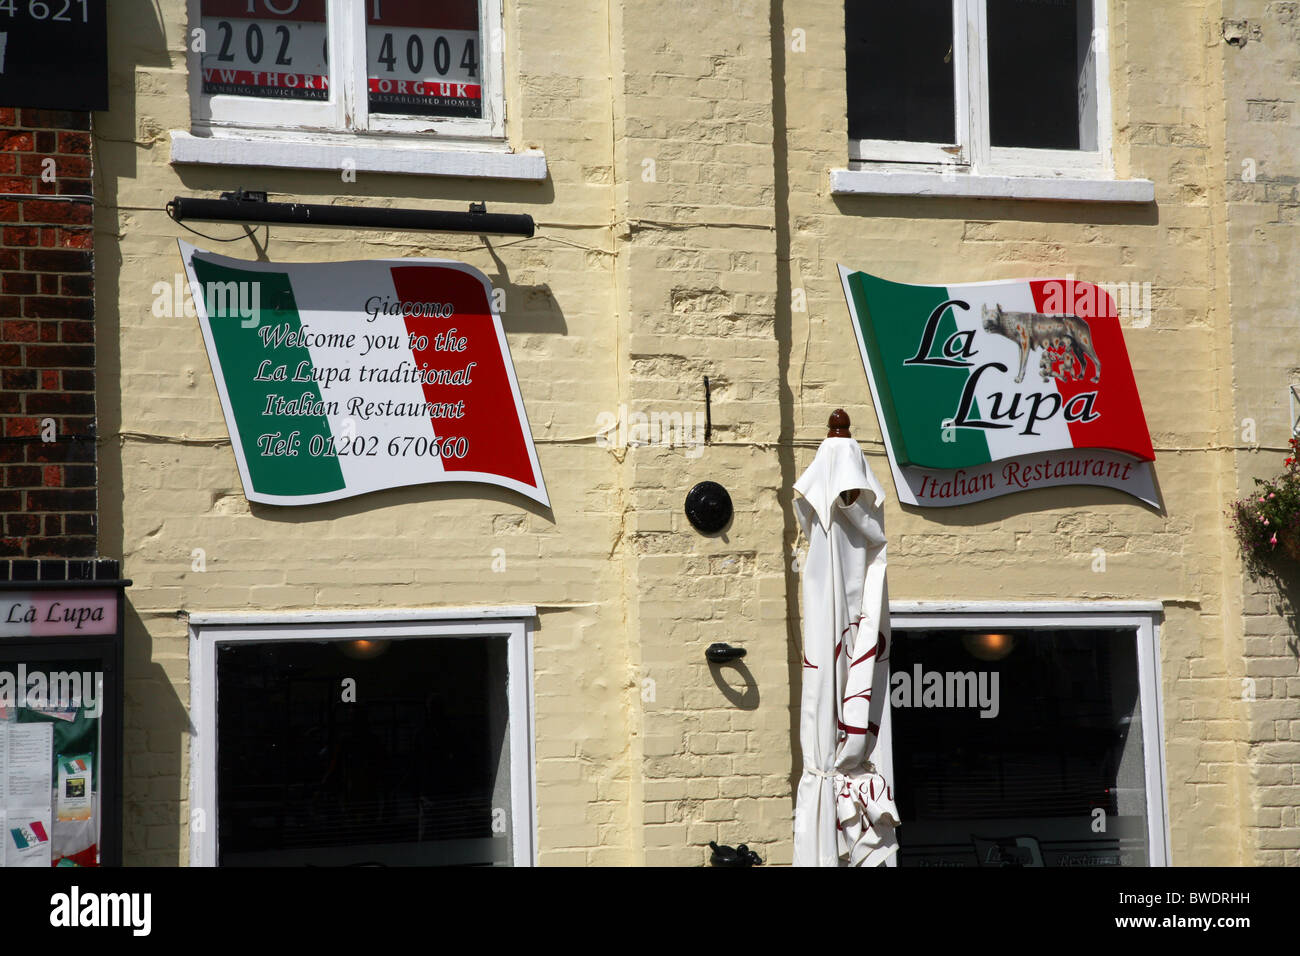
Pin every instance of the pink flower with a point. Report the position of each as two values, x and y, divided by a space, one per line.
1271 495
1265 521
1273 540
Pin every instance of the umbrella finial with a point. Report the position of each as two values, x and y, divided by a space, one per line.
839 424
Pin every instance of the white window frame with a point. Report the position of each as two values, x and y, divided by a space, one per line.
514 624
346 112
972 153
1142 616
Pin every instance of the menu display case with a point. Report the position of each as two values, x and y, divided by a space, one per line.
61 723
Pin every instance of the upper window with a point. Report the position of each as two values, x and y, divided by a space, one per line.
990 85
340 66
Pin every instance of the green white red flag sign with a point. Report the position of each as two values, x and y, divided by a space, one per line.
342 378
989 388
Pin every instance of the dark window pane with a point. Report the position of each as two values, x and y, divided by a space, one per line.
900 70
413 772
1041 74
1060 749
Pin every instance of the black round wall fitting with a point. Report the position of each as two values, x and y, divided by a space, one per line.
708 507
722 653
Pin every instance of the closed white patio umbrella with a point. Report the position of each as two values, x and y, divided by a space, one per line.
844 808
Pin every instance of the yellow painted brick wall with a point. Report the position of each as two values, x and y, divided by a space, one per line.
1166 81
1260 174
688 198
170 485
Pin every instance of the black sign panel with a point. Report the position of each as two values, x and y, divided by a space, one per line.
54 54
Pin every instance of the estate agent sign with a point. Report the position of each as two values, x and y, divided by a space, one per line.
341 378
990 388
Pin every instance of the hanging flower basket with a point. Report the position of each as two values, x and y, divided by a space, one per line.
1267 522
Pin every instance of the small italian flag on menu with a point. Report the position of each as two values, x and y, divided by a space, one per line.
29 834
990 388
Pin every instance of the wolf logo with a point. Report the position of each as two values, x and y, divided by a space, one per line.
1065 334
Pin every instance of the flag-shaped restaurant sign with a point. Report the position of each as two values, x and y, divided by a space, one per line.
989 388
342 378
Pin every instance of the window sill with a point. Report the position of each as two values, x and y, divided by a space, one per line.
387 156
868 182
1026 607
288 618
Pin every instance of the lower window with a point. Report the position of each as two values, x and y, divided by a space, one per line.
1027 739
385 744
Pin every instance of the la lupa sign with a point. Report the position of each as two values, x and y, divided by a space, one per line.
990 388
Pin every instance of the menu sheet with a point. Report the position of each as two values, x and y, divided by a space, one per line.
26 754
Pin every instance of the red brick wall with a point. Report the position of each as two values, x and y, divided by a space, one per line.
47 336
